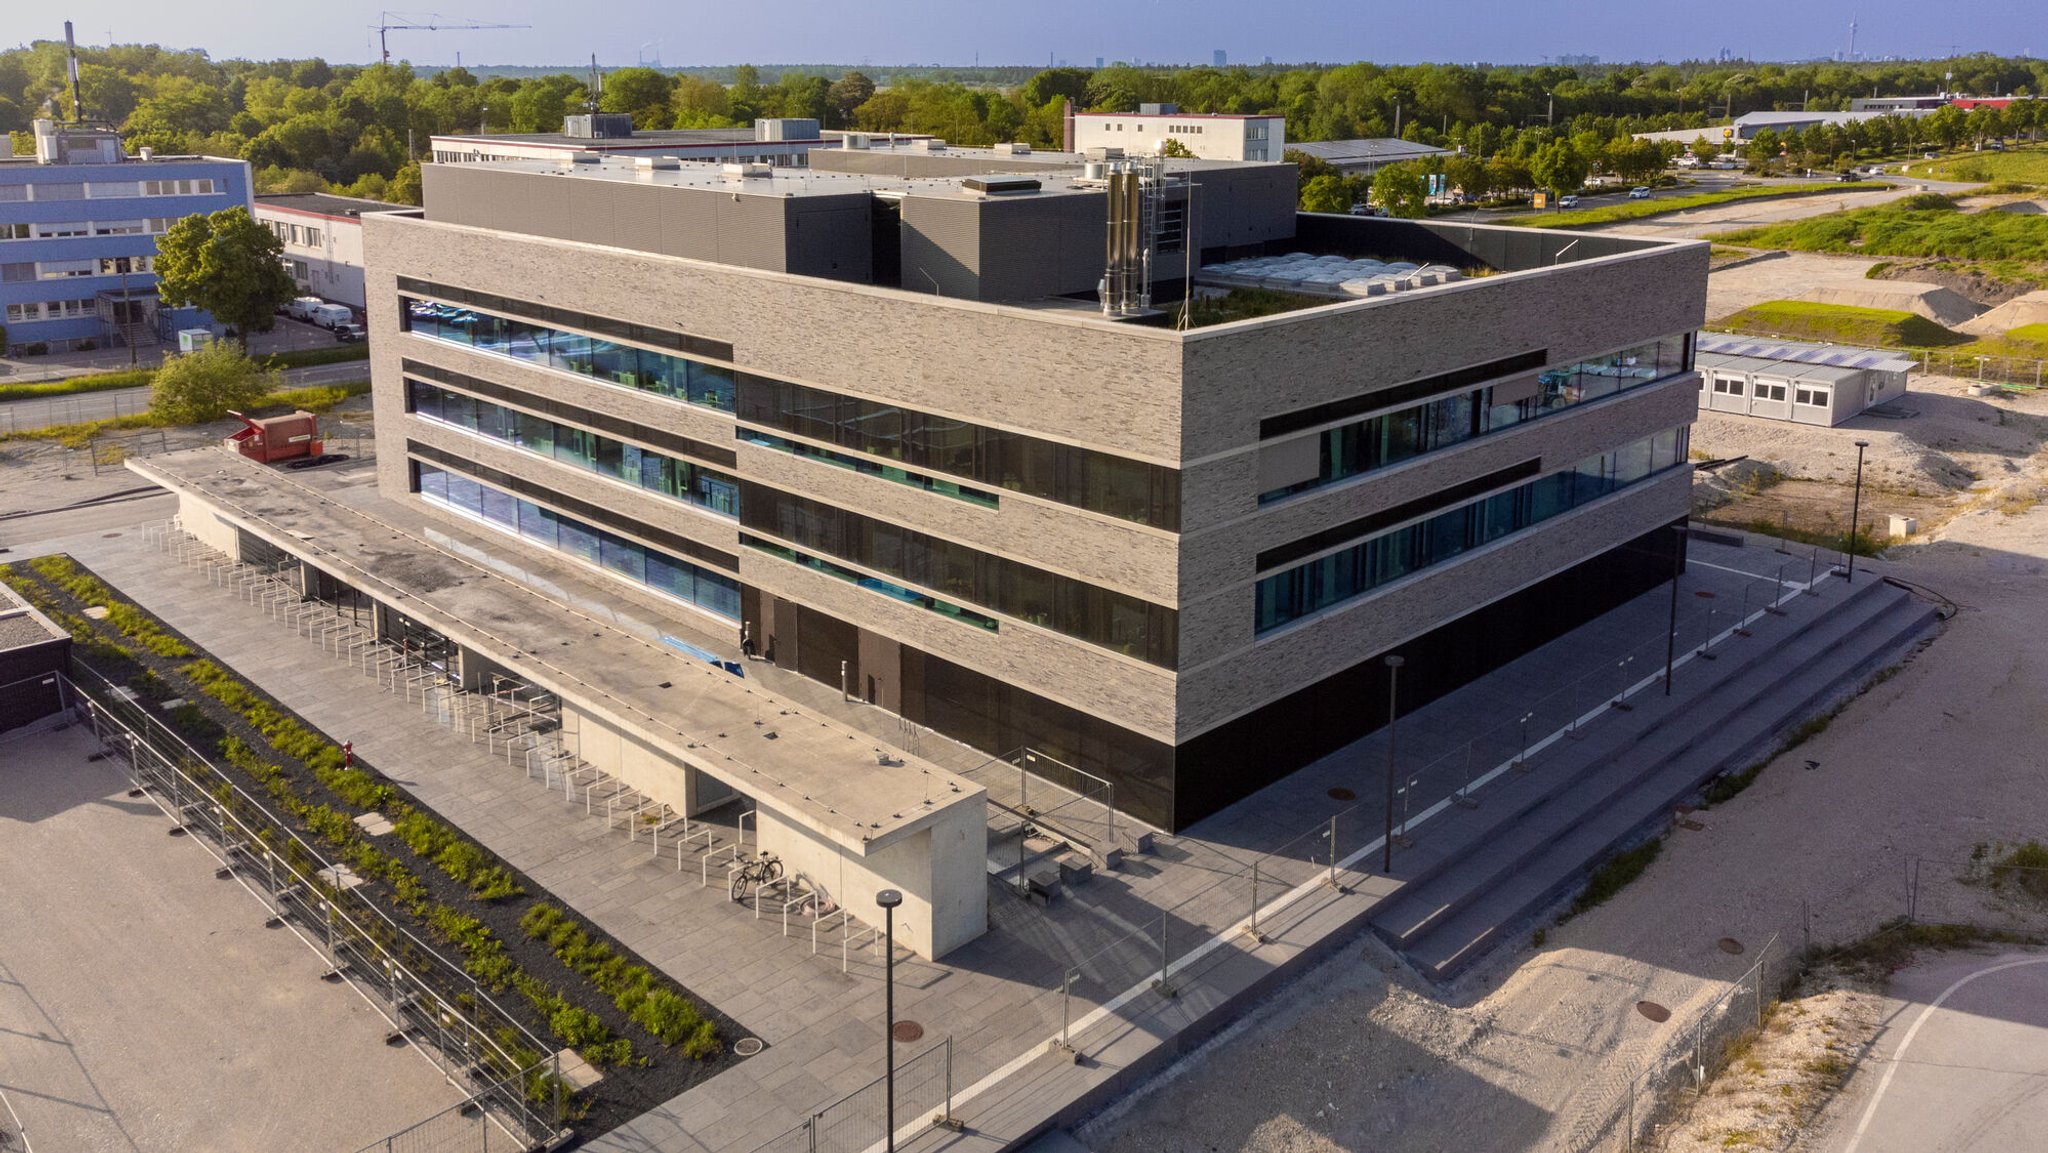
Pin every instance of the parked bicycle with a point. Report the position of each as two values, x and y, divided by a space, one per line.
755 873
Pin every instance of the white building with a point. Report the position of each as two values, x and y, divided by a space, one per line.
323 241
1822 384
1209 135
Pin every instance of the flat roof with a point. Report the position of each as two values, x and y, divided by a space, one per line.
777 181
1385 148
325 204
1187 115
21 625
1790 370
805 766
1800 352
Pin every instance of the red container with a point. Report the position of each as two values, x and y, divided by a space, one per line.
276 438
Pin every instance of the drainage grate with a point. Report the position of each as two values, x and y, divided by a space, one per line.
1730 945
1653 1011
746 1046
908 1031
1340 793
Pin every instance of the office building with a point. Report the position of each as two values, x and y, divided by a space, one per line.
783 142
322 236
78 228
1209 135
926 439
1363 157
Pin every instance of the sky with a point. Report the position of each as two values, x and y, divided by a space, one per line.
876 33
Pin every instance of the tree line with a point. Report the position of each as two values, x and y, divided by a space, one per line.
306 125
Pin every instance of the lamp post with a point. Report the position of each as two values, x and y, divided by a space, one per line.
1394 664
1855 510
888 899
1671 631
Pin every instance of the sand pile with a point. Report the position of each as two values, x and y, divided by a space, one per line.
2029 309
1942 305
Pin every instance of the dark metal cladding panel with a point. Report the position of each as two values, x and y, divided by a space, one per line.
750 227
591 218
942 247
689 223
1029 246
636 217
1237 206
829 236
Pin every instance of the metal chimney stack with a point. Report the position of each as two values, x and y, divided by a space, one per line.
71 66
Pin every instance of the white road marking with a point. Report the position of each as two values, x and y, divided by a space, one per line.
1899 1056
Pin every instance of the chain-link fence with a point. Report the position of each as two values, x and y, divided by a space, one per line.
426 997
1665 1088
859 1121
1996 889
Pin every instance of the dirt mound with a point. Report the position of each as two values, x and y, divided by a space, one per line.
1973 283
1942 305
2024 207
2018 312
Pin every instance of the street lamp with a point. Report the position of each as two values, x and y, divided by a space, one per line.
888 899
1855 510
1671 632
1394 664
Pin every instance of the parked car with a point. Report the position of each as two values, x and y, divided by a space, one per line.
350 333
1567 201
1639 192
1367 210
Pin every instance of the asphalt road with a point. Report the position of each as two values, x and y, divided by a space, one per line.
18 415
1961 1065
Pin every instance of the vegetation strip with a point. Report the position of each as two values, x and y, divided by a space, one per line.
1638 209
287 759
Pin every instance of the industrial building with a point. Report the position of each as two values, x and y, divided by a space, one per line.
78 228
784 142
1365 156
932 427
1822 384
322 236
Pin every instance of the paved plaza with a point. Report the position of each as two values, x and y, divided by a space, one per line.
999 998
143 1004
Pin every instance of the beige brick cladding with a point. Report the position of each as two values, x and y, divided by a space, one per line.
1097 549
1075 380
1135 695
1318 646
1239 373
1221 561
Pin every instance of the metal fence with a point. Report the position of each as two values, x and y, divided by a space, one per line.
427 998
858 1122
1986 891
2019 371
470 1127
1664 1090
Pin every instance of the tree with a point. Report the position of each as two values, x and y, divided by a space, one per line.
847 93
1558 166
1468 176
228 265
206 385
641 92
1401 190
1325 193
1173 147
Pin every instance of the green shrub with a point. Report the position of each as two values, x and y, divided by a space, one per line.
665 1014
1612 877
671 1019
333 826
578 1028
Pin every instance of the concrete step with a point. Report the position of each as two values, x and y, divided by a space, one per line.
1562 859
1467 852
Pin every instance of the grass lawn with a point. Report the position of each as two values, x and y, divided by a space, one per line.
99 382
318 398
1926 224
2027 165
1842 324
1638 209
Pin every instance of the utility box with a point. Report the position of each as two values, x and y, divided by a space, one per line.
194 339
1904 526
276 438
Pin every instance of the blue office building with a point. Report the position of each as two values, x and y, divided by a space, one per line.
78 228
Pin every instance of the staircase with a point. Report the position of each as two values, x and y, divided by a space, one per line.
1482 872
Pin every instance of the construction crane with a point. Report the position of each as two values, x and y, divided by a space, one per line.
388 22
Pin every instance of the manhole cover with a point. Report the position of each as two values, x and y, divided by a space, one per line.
907 1031
1704 594
1691 825
1653 1011
1730 945
747 1046
1340 793
109 535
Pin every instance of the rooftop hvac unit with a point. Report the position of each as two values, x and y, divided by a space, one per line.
786 128
853 140
1001 185
598 126
1094 170
1104 153
1018 148
929 144
747 170
1158 109
651 163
